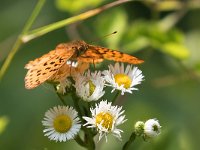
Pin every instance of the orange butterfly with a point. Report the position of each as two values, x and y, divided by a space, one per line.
53 65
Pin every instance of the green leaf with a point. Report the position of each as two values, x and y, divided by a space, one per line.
76 5
176 50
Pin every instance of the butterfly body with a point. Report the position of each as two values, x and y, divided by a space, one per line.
53 65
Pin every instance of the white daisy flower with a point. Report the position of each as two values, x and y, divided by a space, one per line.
106 118
90 86
152 128
123 80
61 123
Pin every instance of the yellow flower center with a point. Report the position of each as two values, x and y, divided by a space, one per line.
91 87
122 79
62 123
106 118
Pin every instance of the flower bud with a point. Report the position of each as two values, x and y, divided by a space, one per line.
152 128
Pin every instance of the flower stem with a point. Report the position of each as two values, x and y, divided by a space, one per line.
116 96
88 133
60 96
76 105
19 41
48 28
131 140
91 144
80 141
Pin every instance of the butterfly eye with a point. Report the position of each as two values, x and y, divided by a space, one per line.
73 47
81 50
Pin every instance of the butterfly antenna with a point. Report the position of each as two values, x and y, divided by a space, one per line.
99 39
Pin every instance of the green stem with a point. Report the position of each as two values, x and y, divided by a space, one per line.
131 140
88 133
80 141
33 16
116 96
19 42
60 96
8 60
89 139
91 144
48 28
76 105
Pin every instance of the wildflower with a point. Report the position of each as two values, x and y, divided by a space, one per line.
123 80
105 118
152 128
90 86
61 123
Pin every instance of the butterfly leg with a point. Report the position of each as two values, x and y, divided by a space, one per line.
93 64
72 64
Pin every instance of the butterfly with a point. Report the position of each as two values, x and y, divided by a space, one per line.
57 63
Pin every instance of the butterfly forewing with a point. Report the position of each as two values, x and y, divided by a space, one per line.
100 53
41 70
40 60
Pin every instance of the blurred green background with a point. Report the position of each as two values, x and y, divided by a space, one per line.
166 34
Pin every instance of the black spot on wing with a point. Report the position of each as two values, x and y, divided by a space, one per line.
47 68
52 62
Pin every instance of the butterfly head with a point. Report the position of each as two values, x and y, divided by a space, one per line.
79 46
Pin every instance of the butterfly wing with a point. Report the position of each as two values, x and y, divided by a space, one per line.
104 53
40 60
43 68
90 56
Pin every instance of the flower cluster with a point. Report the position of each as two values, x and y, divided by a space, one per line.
63 123
89 86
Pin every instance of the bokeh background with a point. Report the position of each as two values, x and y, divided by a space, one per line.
166 34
